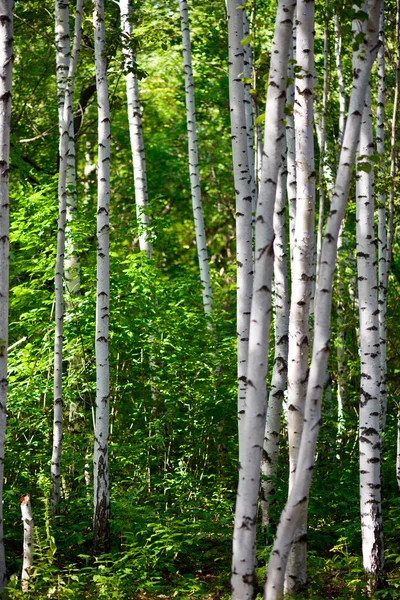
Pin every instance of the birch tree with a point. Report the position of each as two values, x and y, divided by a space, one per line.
269 462
135 129
62 64
6 61
101 516
65 166
370 406
194 161
243 185
72 264
251 440
382 224
302 271
298 497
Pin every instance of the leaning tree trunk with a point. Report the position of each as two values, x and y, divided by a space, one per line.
302 273
270 455
101 528
253 415
300 491
244 192
64 150
370 407
6 54
135 130
194 162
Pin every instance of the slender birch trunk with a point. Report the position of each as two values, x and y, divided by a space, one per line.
340 76
251 441
135 130
291 146
269 462
322 141
64 148
248 108
72 264
6 61
370 406
62 64
340 307
101 529
393 150
300 490
27 563
244 193
302 273
382 225
194 161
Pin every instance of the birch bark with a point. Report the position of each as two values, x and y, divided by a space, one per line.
72 263
269 462
302 272
291 145
382 225
244 193
62 66
64 150
194 162
135 130
340 308
251 441
27 520
370 407
6 61
305 464
101 516
248 108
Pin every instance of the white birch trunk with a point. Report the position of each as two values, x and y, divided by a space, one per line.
339 71
27 562
291 146
62 53
71 263
248 108
322 141
302 273
305 464
251 441
62 65
100 457
269 462
393 150
340 308
194 162
6 54
135 130
64 147
244 193
370 407
382 226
